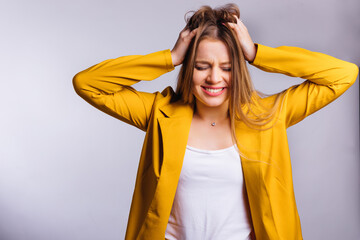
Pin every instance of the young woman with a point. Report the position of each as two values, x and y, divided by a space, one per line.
215 162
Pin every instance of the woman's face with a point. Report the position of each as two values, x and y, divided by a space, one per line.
212 74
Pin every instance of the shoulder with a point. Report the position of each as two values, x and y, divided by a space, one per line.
166 97
170 104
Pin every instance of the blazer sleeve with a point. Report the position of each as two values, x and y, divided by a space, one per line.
107 85
327 78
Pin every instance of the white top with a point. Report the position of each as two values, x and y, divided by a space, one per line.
210 201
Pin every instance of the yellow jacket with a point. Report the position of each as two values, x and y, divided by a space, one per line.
266 161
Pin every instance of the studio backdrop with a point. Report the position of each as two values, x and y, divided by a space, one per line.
67 170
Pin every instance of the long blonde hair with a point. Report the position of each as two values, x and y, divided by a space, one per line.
244 100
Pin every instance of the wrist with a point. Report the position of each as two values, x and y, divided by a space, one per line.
174 58
252 56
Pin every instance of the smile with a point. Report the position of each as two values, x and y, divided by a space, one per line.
213 91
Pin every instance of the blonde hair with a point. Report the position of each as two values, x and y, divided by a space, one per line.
244 100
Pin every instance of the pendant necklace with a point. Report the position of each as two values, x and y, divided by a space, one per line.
213 124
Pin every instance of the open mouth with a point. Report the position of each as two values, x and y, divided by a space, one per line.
213 91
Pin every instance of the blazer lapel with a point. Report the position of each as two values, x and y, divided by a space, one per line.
174 131
175 127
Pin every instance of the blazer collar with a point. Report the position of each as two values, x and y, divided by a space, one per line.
178 109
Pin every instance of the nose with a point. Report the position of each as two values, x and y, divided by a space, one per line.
214 76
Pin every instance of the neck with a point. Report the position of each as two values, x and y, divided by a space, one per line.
211 114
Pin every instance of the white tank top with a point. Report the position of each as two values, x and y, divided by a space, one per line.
210 201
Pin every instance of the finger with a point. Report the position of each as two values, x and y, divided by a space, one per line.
231 25
183 34
193 32
239 21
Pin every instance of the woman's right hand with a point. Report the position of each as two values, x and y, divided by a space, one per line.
181 46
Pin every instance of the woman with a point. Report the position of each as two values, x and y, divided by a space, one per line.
215 162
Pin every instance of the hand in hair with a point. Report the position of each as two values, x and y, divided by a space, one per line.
247 45
181 46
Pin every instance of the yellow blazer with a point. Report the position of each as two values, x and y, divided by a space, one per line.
266 159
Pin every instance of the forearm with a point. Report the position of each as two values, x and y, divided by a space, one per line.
112 75
327 77
297 62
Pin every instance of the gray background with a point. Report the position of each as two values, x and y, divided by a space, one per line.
67 170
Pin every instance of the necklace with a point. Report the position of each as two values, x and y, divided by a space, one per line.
213 124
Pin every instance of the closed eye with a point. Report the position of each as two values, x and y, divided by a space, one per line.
201 68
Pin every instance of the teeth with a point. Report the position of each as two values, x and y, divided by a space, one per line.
212 90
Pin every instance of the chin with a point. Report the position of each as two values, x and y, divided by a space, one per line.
214 104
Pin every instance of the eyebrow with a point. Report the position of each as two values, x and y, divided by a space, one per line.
207 62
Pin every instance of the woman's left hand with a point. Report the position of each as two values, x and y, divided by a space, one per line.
247 45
